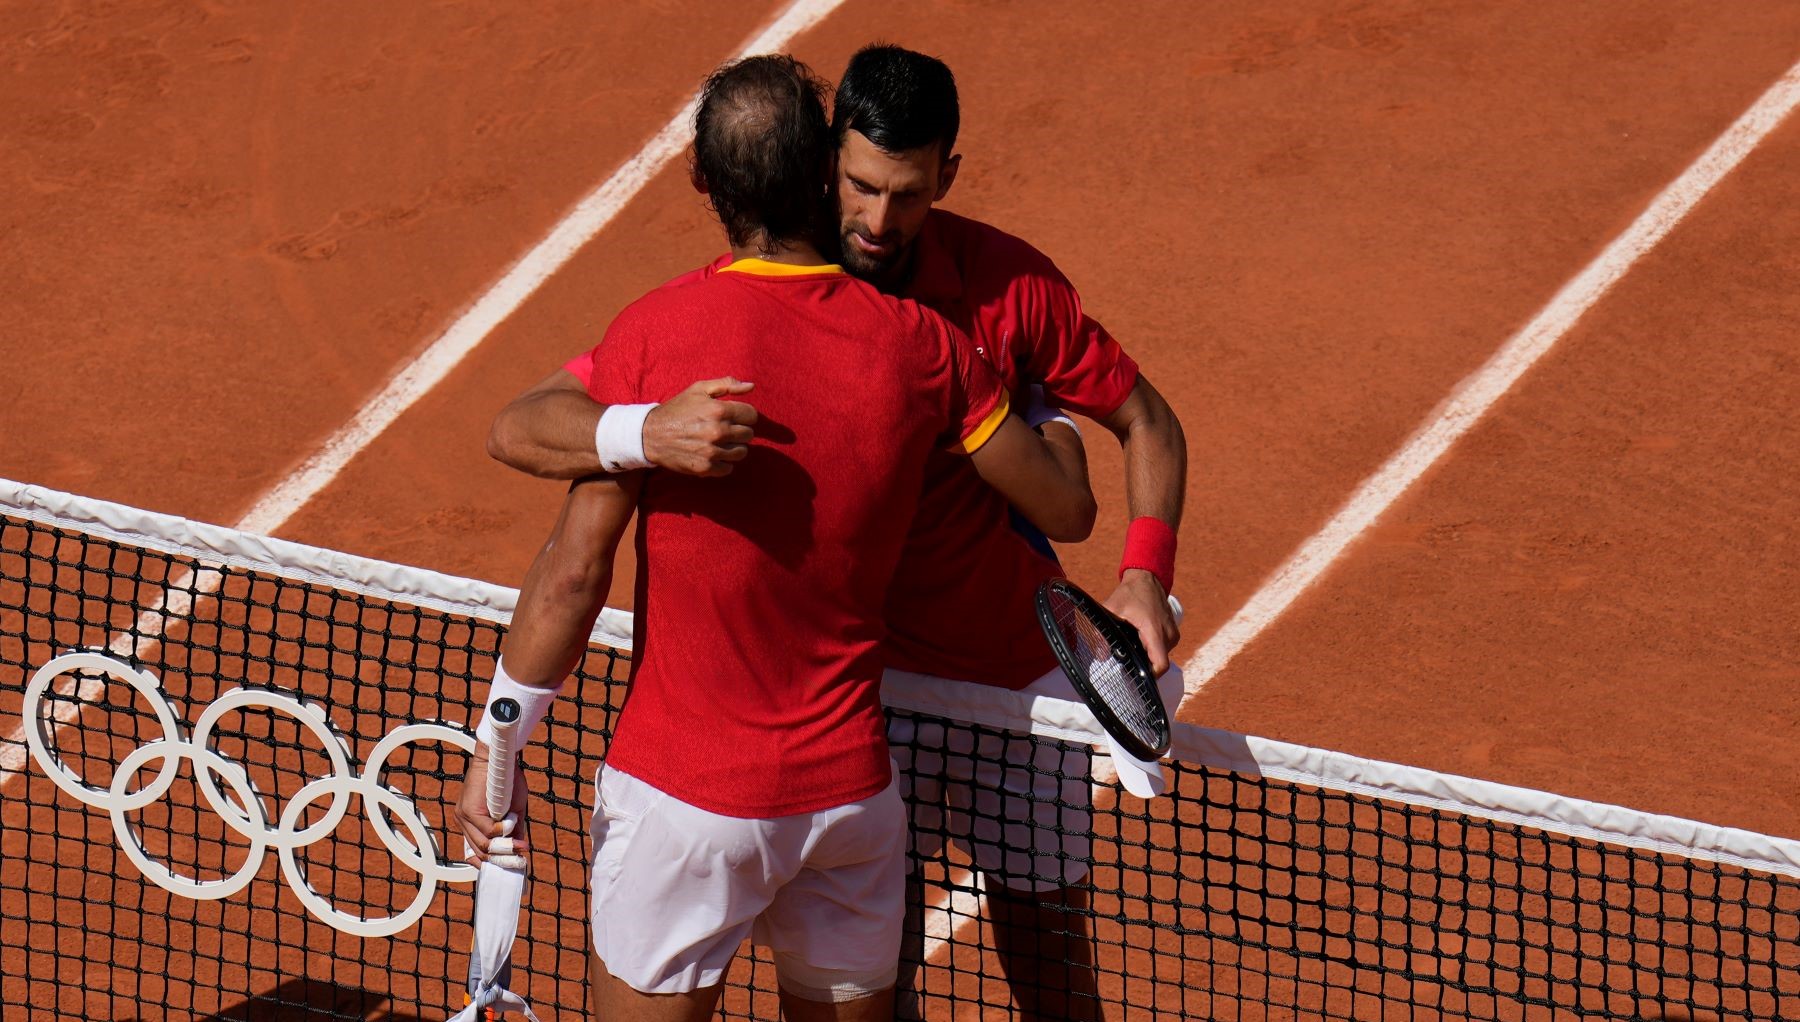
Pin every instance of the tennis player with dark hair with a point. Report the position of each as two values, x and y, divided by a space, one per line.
748 790
960 606
1018 805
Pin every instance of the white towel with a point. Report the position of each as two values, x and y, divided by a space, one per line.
499 896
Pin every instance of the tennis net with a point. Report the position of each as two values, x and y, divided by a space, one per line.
200 819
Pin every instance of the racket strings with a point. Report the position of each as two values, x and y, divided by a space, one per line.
1133 699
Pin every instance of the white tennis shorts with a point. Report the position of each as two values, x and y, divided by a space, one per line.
1018 805
676 889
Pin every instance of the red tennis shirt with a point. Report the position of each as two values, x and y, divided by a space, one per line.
961 601
961 605
760 595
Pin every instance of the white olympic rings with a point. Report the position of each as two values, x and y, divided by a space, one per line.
243 812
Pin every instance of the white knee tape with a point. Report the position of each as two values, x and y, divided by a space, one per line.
832 986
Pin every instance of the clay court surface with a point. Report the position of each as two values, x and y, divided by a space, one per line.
228 227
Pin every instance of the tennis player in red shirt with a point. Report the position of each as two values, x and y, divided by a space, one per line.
748 790
960 604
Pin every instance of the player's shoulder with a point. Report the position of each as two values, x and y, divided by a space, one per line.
697 275
649 305
659 310
913 337
994 267
979 245
908 315
679 291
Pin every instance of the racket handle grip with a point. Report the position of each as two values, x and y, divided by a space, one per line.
1175 609
503 755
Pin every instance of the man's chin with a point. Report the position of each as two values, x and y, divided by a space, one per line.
871 268
866 267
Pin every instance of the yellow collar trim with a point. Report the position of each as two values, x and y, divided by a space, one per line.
765 268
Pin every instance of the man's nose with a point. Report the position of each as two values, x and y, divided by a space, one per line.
877 219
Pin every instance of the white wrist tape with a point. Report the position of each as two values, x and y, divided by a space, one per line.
619 438
1037 411
534 704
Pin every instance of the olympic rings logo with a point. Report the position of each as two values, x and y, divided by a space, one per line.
244 813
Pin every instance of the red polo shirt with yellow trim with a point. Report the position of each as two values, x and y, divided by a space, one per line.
961 602
760 594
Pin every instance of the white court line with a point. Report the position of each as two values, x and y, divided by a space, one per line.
1475 395
954 906
176 601
589 217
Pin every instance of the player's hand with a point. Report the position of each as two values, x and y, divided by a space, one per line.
478 828
700 431
1141 601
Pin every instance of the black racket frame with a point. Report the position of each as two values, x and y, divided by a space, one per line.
1127 651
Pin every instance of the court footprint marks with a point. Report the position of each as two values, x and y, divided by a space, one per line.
1364 30
324 242
57 126
1266 44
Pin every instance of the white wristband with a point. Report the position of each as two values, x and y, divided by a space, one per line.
534 704
619 438
1037 411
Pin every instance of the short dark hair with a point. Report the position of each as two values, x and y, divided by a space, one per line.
898 99
763 148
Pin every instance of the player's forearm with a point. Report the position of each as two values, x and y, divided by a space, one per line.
561 598
1155 454
1155 482
566 586
548 433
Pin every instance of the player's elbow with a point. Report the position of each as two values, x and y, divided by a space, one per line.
1073 519
508 442
1154 422
1081 524
1174 437
575 575
500 439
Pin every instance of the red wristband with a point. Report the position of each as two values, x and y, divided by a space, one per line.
1150 545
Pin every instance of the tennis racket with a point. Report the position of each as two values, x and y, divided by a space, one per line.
1107 665
503 759
499 892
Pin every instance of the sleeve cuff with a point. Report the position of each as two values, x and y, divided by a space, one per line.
980 435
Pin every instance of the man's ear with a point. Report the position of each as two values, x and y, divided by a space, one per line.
947 177
697 179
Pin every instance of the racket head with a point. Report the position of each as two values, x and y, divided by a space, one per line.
1106 663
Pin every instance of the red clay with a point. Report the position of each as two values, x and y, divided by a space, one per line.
1596 594
226 230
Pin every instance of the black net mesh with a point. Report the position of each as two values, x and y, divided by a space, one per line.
1236 897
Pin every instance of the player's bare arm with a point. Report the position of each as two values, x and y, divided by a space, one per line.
562 594
1069 456
1029 471
549 430
1060 436
1155 483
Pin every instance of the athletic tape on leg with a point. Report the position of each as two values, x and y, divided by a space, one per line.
830 986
